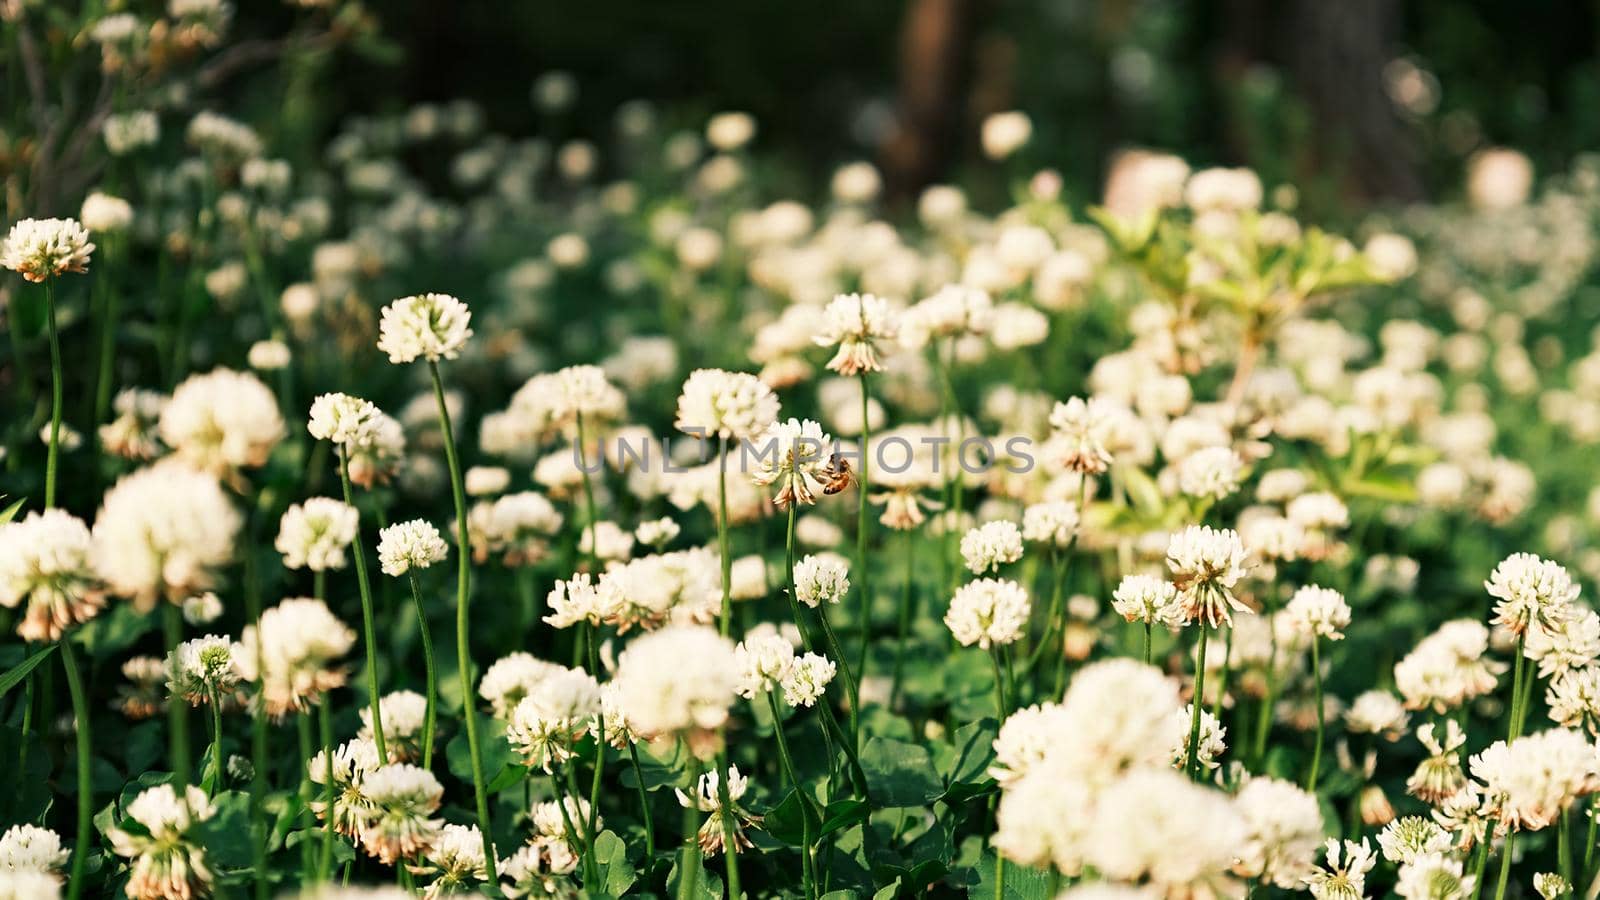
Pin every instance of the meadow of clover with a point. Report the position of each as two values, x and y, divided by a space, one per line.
544 513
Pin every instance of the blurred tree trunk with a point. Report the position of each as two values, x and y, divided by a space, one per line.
936 41
1337 53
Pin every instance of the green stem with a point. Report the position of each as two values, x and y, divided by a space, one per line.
303 727
1264 713
794 781
1564 846
851 685
216 741
430 674
1588 844
177 713
908 599
1193 765
689 857
1505 865
55 395
999 685
644 803
1479 865
722 538
366 614
80 714
325 722
463 654
599 742
108 348
1316 679
862 520
1148 628
730 849
588 497
258 748
1514 728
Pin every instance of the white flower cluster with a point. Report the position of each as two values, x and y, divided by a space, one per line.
38 249
314 534
406 546
427 326
766 661
988 612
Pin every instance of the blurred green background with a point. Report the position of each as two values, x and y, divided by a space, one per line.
1357 101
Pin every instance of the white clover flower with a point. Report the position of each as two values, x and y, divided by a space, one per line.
607 541
203 670
807 679
954 310
1146 598
1158 826
485 481
1530 591
1283 830
1434 876
168 859
45 248
1081 430
1272 538
821 578
857 324
763 660
578 599
222 421
129 131
430 326
405 546
1344 875
1567 645
1318 612
1318 511
161 531
1376 712
797 454
1528 782
1448 667
1210 747
404 799
403 714
657 533
988 612
1551 886
292 653
104 212
517 526
991 545
350 422
1004 133
1573 698
718 403
454 860
1024 739
512 678
708 799
47 561
1407 838
680 679
1211 473
1440 775
546 725
314 534
29 848
1206 563
1053 522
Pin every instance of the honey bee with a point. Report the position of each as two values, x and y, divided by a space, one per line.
838 476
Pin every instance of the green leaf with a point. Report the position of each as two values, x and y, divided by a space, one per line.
789 820
899 773
10 512
491 741
616 872
226 835
115 630
888 891
706 883
20 671
1022 882
844 814
964 762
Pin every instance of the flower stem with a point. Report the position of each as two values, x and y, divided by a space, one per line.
689 857
730 846
862 520
1316 679
726 620
852 687
999 685
216 741
1193 765
1514 726
588 498
805 799
430 674
325 722
360 554
1505 864
177 713
644 803
599 742
1148 628
908 600
463 655
55 395
80 714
